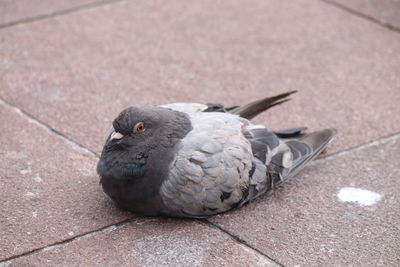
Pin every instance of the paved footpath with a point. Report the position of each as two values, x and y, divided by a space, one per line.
68 67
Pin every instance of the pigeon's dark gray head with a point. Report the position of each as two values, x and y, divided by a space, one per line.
135 159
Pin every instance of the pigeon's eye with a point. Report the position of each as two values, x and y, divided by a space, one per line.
139 127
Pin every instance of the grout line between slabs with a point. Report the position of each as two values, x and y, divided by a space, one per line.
243 244
362 15
265 260
50 130
55 245
59 13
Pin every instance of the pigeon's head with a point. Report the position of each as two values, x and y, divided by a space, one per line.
138 128
138 151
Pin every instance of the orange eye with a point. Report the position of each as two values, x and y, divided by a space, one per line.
139 127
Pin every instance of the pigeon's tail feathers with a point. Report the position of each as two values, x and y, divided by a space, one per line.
320 139
308 148
254 108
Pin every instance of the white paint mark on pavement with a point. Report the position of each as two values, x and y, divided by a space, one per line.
362 197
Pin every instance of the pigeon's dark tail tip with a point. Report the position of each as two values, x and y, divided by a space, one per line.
320 139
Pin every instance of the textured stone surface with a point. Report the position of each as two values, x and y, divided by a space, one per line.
385 11
306 224
49 191
149 243
76 72
12 11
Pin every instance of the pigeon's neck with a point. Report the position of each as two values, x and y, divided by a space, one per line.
134 169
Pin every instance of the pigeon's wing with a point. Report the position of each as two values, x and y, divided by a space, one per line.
226 161
282 158
307 148
210 172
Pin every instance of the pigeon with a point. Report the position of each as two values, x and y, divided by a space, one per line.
197 160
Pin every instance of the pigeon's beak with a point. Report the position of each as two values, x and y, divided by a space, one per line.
115 135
